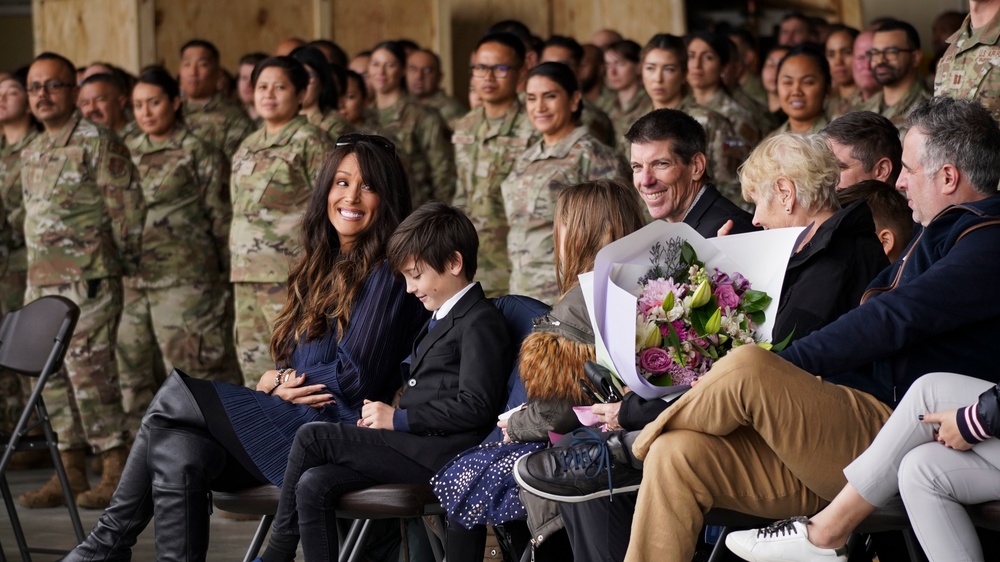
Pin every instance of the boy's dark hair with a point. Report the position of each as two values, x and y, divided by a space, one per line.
507 40
207 45
686 136
432 234
871 137
575 49
912 37
887 204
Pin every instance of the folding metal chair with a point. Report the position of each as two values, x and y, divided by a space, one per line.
33 342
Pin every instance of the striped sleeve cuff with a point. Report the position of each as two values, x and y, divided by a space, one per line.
971 428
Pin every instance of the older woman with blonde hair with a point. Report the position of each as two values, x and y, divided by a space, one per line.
792 181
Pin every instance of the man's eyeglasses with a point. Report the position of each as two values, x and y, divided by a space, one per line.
50 87
889 53
355 138
498 70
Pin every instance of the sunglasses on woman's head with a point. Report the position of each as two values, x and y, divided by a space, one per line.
379 141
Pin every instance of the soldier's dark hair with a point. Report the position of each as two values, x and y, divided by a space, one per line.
65 62
253 59
626 49
514 27
432 54
686 136
432 235
871 138
814 52
327 279
841 28
810 25
104 78
670 43
408 44
743 34
564 77
331 50
294 70
396 50
358 79
961 133
912 37
328 91
716 42
575 49
161 78
507 40
887 204
204 44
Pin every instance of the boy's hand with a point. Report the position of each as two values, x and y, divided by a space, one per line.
376 415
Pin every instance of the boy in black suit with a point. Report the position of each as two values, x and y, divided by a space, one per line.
454 385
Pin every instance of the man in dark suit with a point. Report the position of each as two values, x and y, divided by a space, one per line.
453 388
670 171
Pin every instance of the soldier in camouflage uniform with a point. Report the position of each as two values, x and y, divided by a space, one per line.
969 67
708 54
273 175
206 112
423 81
804 80
176 307
102 100
622 77
895 59
566 155
19 129
487 142
420 134
567 51
84 214
321 100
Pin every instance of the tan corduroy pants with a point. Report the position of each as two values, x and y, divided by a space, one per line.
756 435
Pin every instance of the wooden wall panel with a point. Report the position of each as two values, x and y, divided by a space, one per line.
636 20
357 25
88 30
235 27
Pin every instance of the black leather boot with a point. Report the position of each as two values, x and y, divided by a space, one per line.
183 459
131 506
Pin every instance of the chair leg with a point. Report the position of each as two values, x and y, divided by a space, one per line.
437 546
258 538
15 521
719 550
358 548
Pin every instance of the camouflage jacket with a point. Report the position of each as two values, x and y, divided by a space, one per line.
218 122
422 136
622 117
897 111
742 120
753 86
185 182
449 108
485 152
726 149
969 68
12 197
817 126
529 197
762 119
272 180
598 124
84 210
331 122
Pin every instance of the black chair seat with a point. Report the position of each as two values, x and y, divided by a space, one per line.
259 500
389 501
986 515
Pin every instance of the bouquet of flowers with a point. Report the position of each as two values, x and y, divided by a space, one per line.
687 317
666 303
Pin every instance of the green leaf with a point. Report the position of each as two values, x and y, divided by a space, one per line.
662 380
756 317
783 343
755 301
701 316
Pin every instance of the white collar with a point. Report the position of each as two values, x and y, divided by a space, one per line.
450 303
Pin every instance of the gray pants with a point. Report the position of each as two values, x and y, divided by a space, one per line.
934 481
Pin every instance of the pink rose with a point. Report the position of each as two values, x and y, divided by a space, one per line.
655 360
725 296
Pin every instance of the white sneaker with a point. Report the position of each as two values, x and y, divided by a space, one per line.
783 541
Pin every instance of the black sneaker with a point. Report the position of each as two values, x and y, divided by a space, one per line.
590 467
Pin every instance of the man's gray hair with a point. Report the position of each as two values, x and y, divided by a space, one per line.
961 133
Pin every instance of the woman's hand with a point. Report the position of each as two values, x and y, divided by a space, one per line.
948 434
502 424
725 229
295 392
608 414
376 415
266 382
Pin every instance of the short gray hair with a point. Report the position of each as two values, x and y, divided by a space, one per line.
961 133
806 160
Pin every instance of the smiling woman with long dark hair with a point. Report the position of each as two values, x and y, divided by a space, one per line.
339 339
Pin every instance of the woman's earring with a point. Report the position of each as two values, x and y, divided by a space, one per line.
787 210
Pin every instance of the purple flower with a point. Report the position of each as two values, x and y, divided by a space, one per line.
682 332
740 283
726 296
721 278
655 360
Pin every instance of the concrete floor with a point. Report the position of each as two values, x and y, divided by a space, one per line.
51 528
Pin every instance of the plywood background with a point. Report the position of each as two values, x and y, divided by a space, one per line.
94 30
236 27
